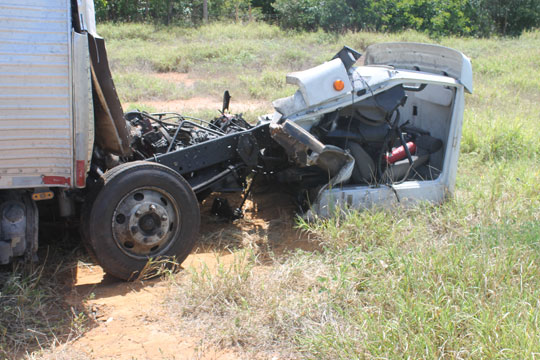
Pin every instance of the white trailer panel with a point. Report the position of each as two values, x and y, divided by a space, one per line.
36 146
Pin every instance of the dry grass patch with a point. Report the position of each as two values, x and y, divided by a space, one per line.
32 315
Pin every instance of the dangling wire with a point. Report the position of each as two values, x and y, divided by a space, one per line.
350 120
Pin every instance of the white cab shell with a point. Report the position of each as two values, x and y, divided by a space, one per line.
448 75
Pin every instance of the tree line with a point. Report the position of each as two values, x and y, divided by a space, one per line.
436 17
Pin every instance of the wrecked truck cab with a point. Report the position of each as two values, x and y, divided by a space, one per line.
391 128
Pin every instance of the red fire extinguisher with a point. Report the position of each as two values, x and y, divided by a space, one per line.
399 153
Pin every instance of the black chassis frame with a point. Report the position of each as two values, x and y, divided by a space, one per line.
220 164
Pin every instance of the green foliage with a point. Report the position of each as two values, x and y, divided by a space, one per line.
336 15
101 8
511 16
159 11
182 12
298 14
435 17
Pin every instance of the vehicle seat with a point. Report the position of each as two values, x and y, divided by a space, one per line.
375 110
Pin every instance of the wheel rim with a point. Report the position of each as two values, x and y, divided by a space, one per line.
145 222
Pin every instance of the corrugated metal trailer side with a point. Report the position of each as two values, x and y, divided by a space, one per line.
36 135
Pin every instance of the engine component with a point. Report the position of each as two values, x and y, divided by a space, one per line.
161 133
230 123
18 227
222 208
66 204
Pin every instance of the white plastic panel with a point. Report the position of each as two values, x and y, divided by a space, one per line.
423 57
87 16
317 84
362 197
35 94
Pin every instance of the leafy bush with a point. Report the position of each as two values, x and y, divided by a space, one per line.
298 14
439 17
435 17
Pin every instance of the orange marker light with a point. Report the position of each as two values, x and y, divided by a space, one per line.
43 195
339 85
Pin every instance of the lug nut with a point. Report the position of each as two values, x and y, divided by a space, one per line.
163 217
137 213
152 207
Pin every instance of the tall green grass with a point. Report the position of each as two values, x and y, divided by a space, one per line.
459 280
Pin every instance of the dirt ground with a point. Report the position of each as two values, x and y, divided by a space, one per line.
198 103
203 103
129 321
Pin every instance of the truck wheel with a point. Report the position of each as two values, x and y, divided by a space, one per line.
142 210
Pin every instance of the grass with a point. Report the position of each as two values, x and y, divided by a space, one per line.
249 60
452 281
32 317
137 87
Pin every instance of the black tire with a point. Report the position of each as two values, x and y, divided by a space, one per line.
364 166
141 210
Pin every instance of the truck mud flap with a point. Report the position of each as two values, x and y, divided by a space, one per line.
111 130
